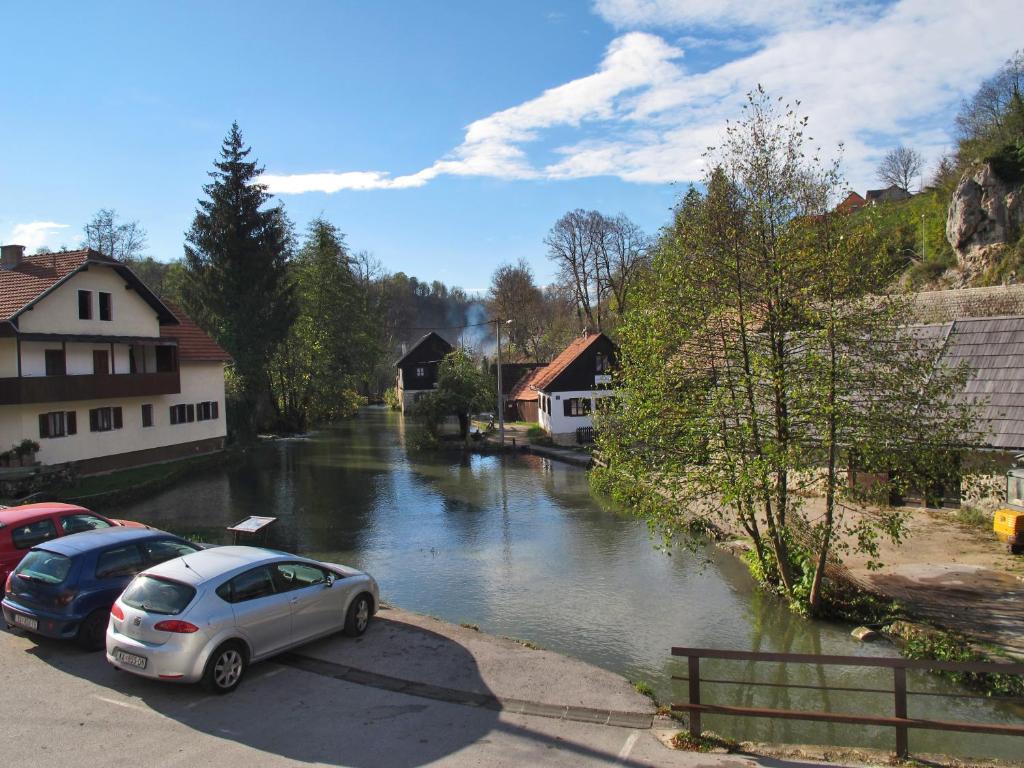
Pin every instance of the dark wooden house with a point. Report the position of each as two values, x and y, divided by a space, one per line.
417 369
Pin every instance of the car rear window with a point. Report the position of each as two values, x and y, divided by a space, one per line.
28 535
155 595
48 567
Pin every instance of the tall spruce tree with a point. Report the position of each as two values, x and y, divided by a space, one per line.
237 282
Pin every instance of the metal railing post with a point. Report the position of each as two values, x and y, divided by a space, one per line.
693 667
899 676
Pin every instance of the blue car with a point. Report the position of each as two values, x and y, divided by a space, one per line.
64 588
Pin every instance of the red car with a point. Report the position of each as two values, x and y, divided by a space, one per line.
21 528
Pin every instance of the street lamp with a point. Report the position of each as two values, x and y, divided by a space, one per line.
501 399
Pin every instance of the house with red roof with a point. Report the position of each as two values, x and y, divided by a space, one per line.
97 369
569 387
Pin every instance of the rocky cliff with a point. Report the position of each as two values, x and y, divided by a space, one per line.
985 214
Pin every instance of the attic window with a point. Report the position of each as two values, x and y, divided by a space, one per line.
105 309
85 305
421 372
600 362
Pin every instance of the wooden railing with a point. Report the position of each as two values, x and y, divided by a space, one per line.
56 389
899 666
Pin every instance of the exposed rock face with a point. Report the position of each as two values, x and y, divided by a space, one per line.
986 212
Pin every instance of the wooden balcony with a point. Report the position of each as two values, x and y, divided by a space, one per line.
57 389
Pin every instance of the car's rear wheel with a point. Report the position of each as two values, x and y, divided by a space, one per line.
225 668
92 633
358 617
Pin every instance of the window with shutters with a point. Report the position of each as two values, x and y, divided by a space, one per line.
576 406
179 414
191 412
147 415
206 410
106 312
57 424
105 419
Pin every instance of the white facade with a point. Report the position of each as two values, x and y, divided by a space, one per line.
30 391
551 411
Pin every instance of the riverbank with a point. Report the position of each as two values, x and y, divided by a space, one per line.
111 489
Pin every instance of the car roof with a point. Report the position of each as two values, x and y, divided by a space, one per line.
216 562
26 513
87 541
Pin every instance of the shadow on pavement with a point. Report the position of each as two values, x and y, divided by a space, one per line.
290 708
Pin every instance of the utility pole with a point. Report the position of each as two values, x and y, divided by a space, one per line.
501 404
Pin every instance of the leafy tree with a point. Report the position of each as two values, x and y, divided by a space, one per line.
121 240
900 167
514 296
759 362
462 389
332 343
236 267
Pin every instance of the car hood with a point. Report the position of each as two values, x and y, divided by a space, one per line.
345 570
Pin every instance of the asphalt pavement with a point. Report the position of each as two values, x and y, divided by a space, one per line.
413 691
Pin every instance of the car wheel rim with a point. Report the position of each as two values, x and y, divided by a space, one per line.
228 669
362 615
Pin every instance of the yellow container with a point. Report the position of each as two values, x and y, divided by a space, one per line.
1008 525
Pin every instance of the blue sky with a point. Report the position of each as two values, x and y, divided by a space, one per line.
446 138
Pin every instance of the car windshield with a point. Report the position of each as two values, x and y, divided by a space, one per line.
153 595
44 566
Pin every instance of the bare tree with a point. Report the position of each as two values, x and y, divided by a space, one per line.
571 246
124 241
624 251
598 257
985 115
900 167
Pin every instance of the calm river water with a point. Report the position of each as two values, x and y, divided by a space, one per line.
519 546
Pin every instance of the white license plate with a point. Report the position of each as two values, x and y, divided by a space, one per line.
130 659
27 622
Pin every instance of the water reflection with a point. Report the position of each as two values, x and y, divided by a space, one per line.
519 546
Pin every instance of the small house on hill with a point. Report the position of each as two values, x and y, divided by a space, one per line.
417 369
853 202
891 194
570 386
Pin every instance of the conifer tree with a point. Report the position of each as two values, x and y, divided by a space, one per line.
237 283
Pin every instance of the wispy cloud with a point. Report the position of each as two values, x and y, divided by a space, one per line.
869 75
35 234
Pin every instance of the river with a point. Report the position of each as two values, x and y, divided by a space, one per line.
519 546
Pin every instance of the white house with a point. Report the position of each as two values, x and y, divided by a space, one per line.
569 387
97 369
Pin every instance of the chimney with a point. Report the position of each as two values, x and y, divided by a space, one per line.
11 256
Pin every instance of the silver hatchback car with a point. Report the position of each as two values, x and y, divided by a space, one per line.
207 616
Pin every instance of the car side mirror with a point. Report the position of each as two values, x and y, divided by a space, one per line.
330 581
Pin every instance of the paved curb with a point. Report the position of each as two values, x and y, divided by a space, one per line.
641 720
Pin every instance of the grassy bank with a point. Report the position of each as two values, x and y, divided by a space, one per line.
99 492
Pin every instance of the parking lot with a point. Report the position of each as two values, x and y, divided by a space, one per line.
65 707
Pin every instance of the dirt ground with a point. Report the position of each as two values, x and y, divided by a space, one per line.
956 575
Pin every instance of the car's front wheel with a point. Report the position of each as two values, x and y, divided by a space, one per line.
92 633
358 617
225 668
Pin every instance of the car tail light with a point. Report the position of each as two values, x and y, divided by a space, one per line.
116 612
65 597
179 627
7 584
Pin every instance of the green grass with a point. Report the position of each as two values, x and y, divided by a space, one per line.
130 478
644 689
972 517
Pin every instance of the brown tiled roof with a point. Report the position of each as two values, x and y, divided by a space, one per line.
37 274
524 388
194 343
564 360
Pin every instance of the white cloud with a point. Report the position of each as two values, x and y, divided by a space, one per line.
35 234
870 76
